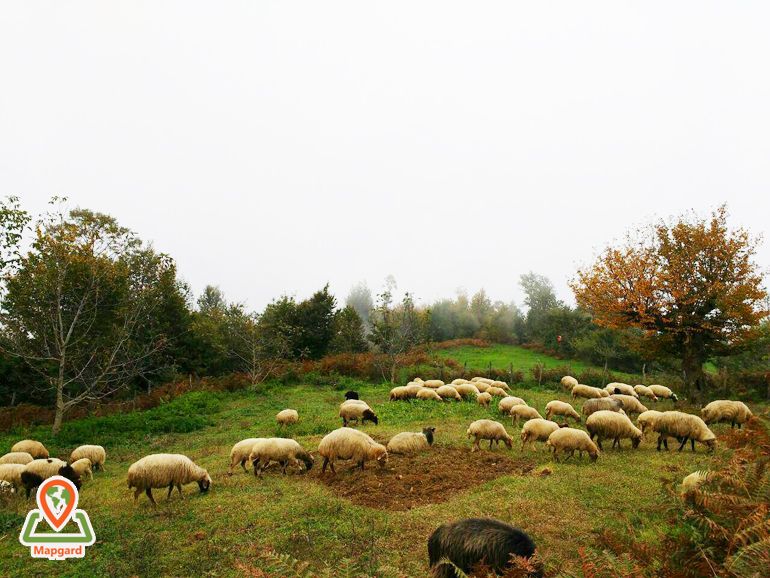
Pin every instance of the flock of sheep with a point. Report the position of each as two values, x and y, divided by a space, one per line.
606 413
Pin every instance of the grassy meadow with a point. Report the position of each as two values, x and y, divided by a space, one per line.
376 522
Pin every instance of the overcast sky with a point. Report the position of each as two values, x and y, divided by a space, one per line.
271 147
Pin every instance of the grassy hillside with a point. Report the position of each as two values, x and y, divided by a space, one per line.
378 520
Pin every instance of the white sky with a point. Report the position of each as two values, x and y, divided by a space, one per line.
271 147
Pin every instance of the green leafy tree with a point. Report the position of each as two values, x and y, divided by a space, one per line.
348 332
395 330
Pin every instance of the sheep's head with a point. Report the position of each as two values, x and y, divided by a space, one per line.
369 415
381 455
428 433
204 483
712 444
66 471
635 441
508 442
594 455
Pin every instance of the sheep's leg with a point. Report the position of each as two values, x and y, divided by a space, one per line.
326 462
684 441
555 456
179 489
490 444
599 442
170 489
692 443
284 463
616 441
136 493
148 491
331 465
243 465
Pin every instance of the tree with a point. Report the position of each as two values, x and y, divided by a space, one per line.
539 298
691 285
13 221
314 318
348 332
395 330
75 304
248 347
360 299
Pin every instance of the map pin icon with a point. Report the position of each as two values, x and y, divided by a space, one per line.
57 498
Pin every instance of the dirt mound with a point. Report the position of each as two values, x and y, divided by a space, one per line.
411 481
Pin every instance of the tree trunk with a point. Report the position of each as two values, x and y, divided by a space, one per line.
59 416
694 379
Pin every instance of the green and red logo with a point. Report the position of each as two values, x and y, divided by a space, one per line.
57 501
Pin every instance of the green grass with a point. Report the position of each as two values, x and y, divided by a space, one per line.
225 532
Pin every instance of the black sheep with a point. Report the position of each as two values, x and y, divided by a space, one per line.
474 541
351 395
30 480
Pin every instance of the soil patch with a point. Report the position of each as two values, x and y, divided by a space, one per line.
412 481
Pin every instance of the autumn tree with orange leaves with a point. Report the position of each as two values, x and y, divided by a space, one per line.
692 286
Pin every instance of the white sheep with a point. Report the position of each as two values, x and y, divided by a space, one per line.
287 417
398 393
602 403
562 408
358 412
165 471
537 430
726 410
683 426
487 429
433 383
349 444
483 398
623 388
240 453
612 425
467 390
412 389
501 384
569 440
568 382
647 419
644 391
32 447
36 471
482 386
508 402
523 412
693 481
663 392
284 451
82 467
482 380
96 454
448 392
581 390
16 458
11 473
427 393
630 404
496 391
460 381
411 442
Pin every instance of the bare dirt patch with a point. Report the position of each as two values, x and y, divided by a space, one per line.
412 481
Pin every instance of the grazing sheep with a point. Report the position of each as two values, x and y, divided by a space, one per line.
587 391
165 471
349 444
460 381
351 395
358 412
448 392
483 398
482 386
644 391
11 473
473 541
630 404
487 429
508 402
281 450
427 393
467 390
623 388
501 385
400 392
482 380
32 447
524 412
663 392
726 410
37 471
568 382
411 442
82 467
561 408
603 403
418 380
647 419
692 481
287 417
240 453
537 430
614 426
496 391
683 426
96 454
567 439
412 389
433 383
16 458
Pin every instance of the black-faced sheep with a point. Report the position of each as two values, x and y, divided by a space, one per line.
683 426
487 429
357 411
663 392
32 447
623 388
350 444
562 408
37 471
644 391
285 451
726 410
165 471
468 543
568 440
351 395
96 454
411 442
612 425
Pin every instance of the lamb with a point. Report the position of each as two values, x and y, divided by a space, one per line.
646 419
349 444
473 541
83 467
663 392
37 471
561 408
32 447
568 439
433 383
630 404
411 442
612 425
357 411
483 398
568 382
351 395
281 450
240 453
623 388
537 430
22 458
726 410
644 391
400 392
287 417
166 470
11 473
683 426
448 392
496 391
467 390
524 412
587 391
602 403
427 393
487 429
508 402
96 454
